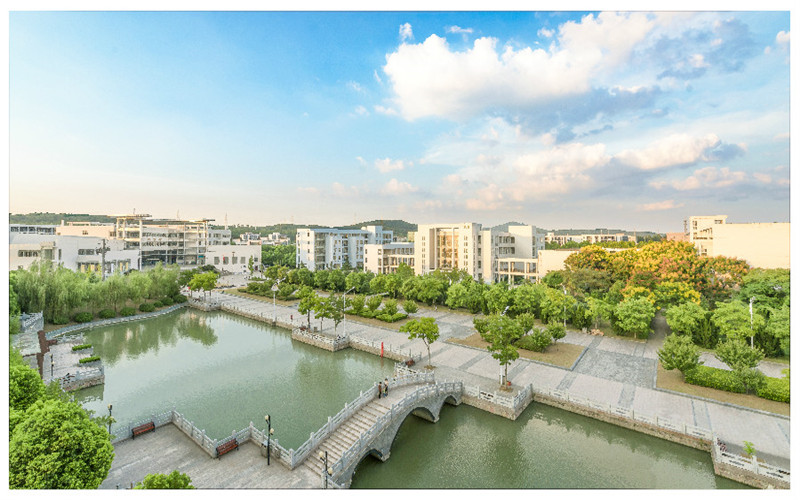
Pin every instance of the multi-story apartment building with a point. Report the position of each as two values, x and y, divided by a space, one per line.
386 258
272 239
760 244
486 254
332 248
169 241
31 229
78 253
562 239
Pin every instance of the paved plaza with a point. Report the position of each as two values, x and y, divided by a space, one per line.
611 371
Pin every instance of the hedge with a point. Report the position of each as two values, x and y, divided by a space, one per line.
60 320
147 308
537 341
367 314
89 359
106 314
127 311
391 318
81 347
83 317
716 378
166 301
775 389
156 303
179 299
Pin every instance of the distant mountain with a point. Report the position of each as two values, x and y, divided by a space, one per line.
398 227
54 219
504 227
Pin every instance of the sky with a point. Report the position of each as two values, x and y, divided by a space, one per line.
578 119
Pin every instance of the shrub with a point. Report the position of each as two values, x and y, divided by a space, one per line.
390 307
157 303
410 306
81 347
60 320
146 307
537 341
775 389
715 378
391 318
89 359
374 302
83 317
106 314
166 302
127 311
179 299
367 314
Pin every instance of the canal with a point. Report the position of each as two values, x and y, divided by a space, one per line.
222 372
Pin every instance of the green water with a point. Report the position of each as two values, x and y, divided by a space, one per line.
222 372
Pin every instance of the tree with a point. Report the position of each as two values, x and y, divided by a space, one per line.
497 298
357 304
678 352
742 359
634 316
138 285
556 331
599 309
115 289
308 302
336 308
526 322
374 302
390 307
204 281
410 307
779 326
57 446
733 320
527 299
684 319
25 386
501 332
13 309
174 481
425 329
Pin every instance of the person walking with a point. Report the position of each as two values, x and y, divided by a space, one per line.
380 389
386 387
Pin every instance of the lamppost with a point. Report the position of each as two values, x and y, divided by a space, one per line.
52 363
274 307
565 306
344 316
109 418
270 432
328 471
751 321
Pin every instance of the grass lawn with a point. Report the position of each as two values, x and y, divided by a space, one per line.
560 354
673 380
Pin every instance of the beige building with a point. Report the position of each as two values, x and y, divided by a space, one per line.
553 260
563 239
761 244
386 258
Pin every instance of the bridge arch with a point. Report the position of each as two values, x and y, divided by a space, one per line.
427 407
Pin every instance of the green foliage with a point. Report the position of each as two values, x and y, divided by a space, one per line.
538 340
357 304
749 449
25 386
634 315
285 290
89 359
715 378
553 279
59 320
279 255
580 315
526 322
424 328
775 389
770 287
685 318
501 332
204 281
127 311
147 307
179 299
390 307
410 307
481 324
497 297
598 309
779 326
678 352
733 320
81 347
374 302
738 355
106 314
556 331
57 446
391 318
167 301
174 481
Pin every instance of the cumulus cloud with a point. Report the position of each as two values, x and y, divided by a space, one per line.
395 187
782 38
456 29
405 32
705 178
386 165
431 79
680 150
545 33
361 110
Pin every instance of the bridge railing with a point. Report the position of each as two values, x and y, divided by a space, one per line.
389 350
397 410
300 454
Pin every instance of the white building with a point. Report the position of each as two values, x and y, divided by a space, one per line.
485 254
563 239
169 241
386 258
332 248
78 253
234 258
272 239
31 229
761 244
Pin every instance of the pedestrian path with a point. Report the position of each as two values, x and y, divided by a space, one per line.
615 372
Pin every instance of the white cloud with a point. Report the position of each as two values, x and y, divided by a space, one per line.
545 33
676 149
386 165
457 29
705 178
659 205
430 79
361 161
354 86
782 38
395 187
384 110
377 76
361 110
405 32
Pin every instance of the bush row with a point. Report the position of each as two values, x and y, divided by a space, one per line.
86 316
775 389
715 378
81 347
89 359
391 318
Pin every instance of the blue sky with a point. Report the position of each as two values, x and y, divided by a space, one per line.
628 120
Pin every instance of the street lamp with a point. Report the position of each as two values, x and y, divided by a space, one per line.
270 432
274 307
52 363
109 418
565 306
328 471
344 315
751 321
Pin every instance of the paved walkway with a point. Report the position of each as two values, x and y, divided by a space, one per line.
612 371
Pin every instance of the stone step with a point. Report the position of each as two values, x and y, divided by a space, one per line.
341 440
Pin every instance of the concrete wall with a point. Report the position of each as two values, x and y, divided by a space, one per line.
765 245
552 260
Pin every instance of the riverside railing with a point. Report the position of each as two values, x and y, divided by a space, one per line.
397 410
31 323
111 321
71 380
335 343
389 350
751 463
296 457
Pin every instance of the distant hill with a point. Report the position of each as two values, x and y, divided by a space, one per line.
54 219
398 227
